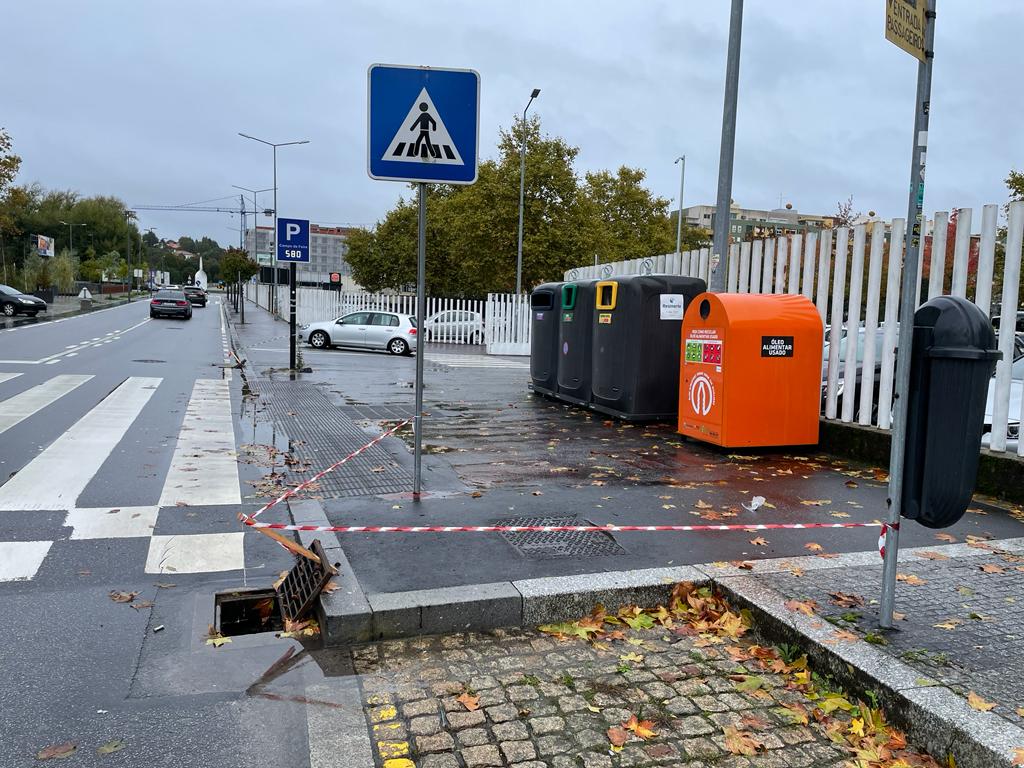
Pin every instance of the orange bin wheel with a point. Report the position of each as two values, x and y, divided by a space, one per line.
750 370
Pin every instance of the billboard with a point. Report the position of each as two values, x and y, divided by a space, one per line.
44 245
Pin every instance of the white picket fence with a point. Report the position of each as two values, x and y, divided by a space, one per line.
508 324
822 265
316 304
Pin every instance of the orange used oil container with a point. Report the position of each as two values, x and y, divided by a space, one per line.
750 370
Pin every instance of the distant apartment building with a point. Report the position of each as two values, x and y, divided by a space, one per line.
328 248
747 223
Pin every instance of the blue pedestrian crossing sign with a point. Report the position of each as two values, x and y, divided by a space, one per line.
423 124
293 240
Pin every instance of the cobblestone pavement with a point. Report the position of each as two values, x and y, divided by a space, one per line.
963 609
527 699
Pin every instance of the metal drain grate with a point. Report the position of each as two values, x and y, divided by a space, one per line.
303 583
547 545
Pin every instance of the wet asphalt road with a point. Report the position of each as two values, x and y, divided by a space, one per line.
76 665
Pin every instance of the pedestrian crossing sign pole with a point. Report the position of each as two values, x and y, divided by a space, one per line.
422 126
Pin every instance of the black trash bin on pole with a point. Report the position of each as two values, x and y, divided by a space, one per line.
637 324
575 333
544 337
952 360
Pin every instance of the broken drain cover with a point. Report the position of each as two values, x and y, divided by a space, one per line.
546 545
303 583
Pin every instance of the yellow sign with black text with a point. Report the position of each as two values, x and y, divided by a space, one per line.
904 25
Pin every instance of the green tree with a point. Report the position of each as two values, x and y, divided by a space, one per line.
631 222
63 271
237 262
1015 184
9 162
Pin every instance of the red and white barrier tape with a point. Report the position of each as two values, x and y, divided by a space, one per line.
548 528
250 519
881 536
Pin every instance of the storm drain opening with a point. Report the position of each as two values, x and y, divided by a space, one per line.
247 612
547 545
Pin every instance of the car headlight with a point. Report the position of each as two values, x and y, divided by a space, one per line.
26 301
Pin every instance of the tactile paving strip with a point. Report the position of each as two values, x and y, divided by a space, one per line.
321 434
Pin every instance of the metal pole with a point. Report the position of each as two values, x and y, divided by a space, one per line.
720 244
908 304
679 218
241 299
273 255
291 315
421 300
522 190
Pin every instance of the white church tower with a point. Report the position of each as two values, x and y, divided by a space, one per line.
200 280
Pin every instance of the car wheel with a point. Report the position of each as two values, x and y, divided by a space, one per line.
10 310
152 315
398 347
319 340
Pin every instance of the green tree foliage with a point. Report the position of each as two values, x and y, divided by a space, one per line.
9 162
234 262
1015 184
472 230
63 271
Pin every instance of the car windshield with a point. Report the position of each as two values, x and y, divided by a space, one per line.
6 289
1017 369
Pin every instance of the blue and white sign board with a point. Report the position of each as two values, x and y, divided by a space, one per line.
293 240
423 124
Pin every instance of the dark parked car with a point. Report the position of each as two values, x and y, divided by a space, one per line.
13 302
195 294
167 303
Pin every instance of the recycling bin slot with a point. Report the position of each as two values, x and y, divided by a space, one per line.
542 299
607 294
575 335
951 364
544 338
751 370
636 325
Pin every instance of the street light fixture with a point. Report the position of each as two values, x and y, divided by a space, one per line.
255 211
522 188
679 218
274 255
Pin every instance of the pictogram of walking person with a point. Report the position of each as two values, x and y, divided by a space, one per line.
425 123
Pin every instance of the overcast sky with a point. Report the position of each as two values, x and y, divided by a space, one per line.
143 100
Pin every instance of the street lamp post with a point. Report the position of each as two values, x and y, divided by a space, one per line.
274 146
522 189
71 234
292 352
255 213
679 218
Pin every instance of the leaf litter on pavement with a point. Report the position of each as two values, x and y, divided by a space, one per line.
700 616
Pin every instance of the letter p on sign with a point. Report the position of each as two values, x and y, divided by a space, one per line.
291 230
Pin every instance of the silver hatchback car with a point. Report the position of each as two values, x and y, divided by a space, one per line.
365 329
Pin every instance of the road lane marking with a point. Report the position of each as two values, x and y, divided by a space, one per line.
16 409
8 376
204 469
55 478
111 522
70 350
196 553
20 560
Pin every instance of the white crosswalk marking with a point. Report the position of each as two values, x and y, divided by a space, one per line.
18 408
19 560
476 361
55 478
204 469
196 553
8 376
111 522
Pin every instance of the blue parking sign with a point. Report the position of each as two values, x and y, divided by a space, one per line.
293 240
423 124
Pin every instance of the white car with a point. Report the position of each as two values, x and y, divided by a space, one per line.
366 330
455 325
1013 427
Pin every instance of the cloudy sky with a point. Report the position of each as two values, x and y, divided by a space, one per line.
143 100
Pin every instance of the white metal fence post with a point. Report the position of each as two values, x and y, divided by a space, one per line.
1007 325
867 375
986 258
961 253
853 323
836 327
892 307
937 268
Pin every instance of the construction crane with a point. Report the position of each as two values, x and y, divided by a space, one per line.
240 211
